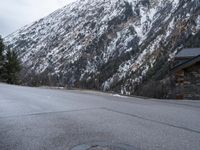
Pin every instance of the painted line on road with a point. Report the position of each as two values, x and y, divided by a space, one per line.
151 120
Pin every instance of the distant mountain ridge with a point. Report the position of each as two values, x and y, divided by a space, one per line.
110 45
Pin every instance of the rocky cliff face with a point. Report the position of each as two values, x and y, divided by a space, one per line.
108 45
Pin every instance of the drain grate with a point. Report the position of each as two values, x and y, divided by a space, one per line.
103 146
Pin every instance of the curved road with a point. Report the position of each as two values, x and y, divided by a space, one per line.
50 119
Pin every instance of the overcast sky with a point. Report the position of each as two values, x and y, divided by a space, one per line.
17 13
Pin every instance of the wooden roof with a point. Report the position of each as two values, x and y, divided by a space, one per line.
188 53
186 64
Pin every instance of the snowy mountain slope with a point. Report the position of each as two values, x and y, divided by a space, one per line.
106 44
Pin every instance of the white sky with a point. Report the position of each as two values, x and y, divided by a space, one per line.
17 13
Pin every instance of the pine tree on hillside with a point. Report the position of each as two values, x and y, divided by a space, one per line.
1 59
12 67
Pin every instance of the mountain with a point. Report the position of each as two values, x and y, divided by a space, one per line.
109 45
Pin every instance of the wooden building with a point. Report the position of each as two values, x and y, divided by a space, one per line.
186 69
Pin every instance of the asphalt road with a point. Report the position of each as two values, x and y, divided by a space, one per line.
47 119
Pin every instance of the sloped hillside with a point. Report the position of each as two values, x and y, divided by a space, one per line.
110 45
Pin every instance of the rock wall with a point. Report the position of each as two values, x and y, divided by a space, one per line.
192 82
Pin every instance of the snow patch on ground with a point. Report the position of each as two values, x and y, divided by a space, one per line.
117 95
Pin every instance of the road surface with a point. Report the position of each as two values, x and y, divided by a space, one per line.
50 119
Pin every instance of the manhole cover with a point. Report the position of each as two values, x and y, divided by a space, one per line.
103 146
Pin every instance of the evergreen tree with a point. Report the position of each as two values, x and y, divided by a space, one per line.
1 59
12 67
9 65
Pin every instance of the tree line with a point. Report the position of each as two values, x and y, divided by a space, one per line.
9 65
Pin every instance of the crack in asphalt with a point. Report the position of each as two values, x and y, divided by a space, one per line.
151 120
54 112
106 109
